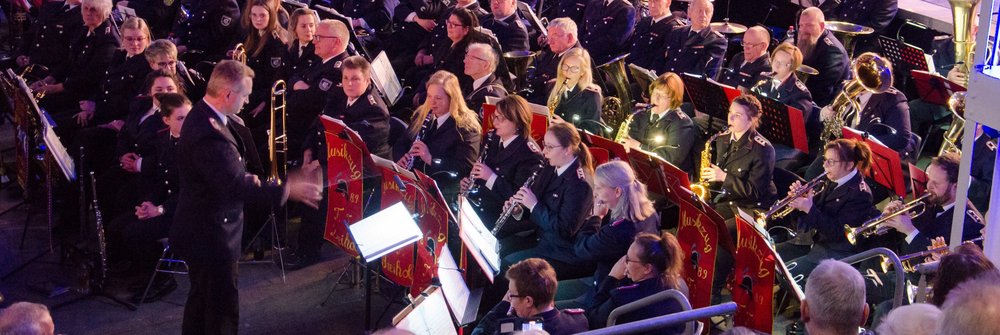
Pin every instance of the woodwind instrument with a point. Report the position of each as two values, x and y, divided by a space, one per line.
420 137
482 159
515 206
701 187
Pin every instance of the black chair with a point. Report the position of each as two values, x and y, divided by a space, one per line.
396 129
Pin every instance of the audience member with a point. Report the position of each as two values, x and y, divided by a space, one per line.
835 300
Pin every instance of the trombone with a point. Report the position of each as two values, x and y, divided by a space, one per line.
240 53
277 143
907 259
875 227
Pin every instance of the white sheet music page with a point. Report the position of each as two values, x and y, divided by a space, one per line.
385 77
456 292
481 242
385 231
428 317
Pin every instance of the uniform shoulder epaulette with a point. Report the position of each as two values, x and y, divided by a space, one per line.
579 173
628 287
760 139
338 64
616 223
215 123
593 88
371 100
863 186
827 40
975 216
533 146
718 34
573 311
801 85
992 145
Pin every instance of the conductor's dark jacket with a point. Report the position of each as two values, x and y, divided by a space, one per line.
89 57
737 74
512 165
367 116
672 137
606 30
749 165
831 60
453 150
613 293
849 204
564 203
648 39
698 53
214 185
584 103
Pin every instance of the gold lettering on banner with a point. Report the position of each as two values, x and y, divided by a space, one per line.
342 153
344 241
696 223
400 271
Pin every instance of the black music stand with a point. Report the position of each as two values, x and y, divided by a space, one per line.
904 57
934 88
782 124
707 97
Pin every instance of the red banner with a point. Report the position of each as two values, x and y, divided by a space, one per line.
346 157
753 283
698 235
539 122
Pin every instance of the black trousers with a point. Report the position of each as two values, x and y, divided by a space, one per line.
213 304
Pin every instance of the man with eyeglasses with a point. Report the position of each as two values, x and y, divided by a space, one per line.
651 33
562 37
480 64
695 48
319 86
162 56
506 25
530 296
607 27
744 69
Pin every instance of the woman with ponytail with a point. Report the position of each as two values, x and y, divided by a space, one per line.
651 264
556 204
845 200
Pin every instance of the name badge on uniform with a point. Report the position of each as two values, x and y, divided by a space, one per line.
325 84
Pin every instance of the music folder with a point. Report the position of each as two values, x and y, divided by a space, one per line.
384 232
385 79
482 244
52 142
464 303
426 315
886 167
933 88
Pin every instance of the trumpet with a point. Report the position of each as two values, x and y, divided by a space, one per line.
782 208
515 206
907 260
875 226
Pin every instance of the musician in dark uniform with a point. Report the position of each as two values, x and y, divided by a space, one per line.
506 25
511 156
745 69
48 38
370 15
265 52
984 155
320 85
651 33
443 137
364 112
845 199
561 38
695 48
651 265
663 128
301 53
530 294
209 31
607 27
214 185
446 52
823 52
158 13
786 87
572 9
575 98
556 205
744 163
936 221
123 79
480 64
875 14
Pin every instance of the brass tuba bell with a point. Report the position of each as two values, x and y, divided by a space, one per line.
614 109
872 73
518 63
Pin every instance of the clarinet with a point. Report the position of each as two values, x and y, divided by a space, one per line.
514 205
420 136
99 226
482 159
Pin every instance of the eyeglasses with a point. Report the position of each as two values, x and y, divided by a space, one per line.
781 64
517 296
167 64
454 25
318 36
750 45
831 161
629 260
571 69
476 57
497 118
551 147
134 39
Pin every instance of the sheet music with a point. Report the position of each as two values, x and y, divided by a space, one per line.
384 232
456 292
427 316
481 243
385 78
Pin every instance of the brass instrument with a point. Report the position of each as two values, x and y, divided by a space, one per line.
875 227
782 208
804 72
848 33
614 77
907 260
277 143
701 187
872 74
963 12
28 70
240 53
515 208
956 104
623 129
518 63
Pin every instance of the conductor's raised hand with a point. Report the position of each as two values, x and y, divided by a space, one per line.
304 188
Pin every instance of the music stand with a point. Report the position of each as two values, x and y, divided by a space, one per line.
481 243
707 97
933 88
905 58
886 168
463 302
647 170
643 78
918 180
385 79
698 235
426 315
615 150
753 276
783 124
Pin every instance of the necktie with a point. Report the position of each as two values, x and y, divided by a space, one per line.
654 118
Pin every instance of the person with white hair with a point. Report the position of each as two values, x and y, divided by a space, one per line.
915 319
26 318
971 308
480 65
835 300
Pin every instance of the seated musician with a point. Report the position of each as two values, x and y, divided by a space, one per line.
162 55
744 163
823 52
506 25
651 33
301 53
875 14
745 69
480 64
372 16
530 294
443 137
984 155
511 156
936 221
786 87
446 52
319 86
562 37
845 199
556 204
651 265
134 235
265 50
664 129
575 98
695 48
46 42
606 28
209 32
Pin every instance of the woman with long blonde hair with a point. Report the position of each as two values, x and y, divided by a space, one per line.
575 98
443 137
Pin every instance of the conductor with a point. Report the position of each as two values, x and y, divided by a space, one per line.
214 185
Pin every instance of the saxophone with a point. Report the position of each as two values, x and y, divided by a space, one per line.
623 129
701 187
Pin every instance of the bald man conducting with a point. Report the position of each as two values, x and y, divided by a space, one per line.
745 68
823 52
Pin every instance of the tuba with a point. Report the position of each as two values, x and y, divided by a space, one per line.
614 77
701 187
240 53
277 144
956 104
963 12
518 63
871 73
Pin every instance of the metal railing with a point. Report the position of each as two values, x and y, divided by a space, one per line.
661 322
649 301
899 289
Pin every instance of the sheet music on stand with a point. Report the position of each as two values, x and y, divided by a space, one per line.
482 244
707 96
784 124
126 11
905 58
933 88
384 232
385 79
464 303
426 315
